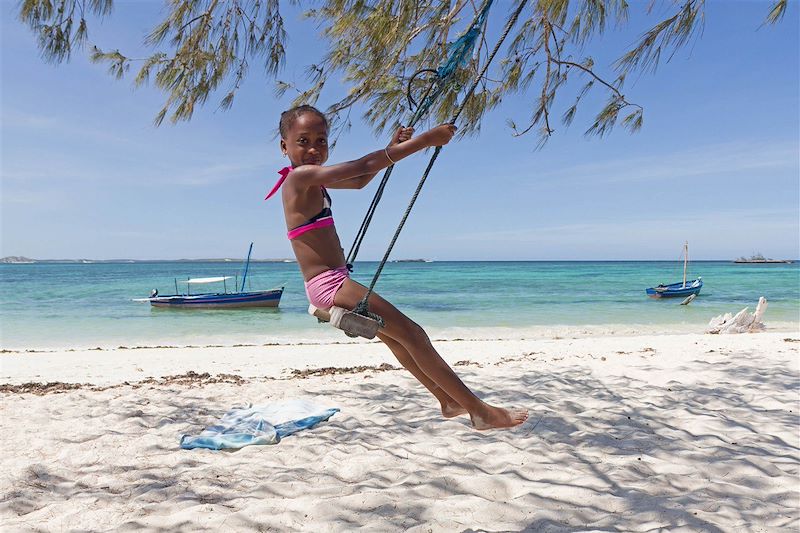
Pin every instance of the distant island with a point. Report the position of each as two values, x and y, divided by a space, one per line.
758 258
15 259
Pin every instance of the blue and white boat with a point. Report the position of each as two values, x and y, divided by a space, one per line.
217 300
676 289
681 288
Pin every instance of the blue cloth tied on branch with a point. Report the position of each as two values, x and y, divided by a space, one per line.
458 53
259 424
460 49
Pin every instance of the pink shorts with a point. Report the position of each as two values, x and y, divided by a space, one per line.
322 288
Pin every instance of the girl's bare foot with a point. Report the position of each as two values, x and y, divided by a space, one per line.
496 417
450 410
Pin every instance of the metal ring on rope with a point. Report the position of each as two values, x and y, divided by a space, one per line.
411 102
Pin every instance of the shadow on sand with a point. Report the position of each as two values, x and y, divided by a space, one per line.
610 454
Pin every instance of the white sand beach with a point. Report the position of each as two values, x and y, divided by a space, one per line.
685 432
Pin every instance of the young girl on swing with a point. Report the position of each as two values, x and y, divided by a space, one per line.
306 205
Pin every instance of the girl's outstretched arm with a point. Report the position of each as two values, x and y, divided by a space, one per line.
359 182
307 176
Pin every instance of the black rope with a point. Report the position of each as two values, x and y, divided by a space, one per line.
362 307
362 231
438 83
426 99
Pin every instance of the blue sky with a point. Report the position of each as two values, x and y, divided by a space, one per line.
86 175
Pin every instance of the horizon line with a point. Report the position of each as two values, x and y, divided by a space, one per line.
28 260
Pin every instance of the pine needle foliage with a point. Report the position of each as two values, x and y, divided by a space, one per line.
61 25
384 51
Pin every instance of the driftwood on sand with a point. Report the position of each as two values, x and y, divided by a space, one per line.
742 322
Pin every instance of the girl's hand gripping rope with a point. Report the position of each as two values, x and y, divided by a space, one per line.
440 135
401 135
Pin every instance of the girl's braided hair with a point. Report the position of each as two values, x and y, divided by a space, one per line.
288 117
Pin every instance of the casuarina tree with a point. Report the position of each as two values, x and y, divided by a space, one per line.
205 48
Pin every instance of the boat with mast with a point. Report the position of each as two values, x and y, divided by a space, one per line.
217 300
681 288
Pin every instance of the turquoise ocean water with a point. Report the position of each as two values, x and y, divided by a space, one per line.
69 305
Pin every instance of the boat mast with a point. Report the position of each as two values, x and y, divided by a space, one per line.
246 265
685 261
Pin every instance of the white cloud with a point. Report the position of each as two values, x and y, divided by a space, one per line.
598 229
711 159
22 198
154 166
712 235
214 174
59 127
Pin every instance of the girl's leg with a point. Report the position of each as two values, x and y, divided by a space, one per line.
417 344
450 407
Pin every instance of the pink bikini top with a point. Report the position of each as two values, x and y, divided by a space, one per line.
322 219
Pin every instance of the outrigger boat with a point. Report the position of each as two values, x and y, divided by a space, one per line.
217 300
681 288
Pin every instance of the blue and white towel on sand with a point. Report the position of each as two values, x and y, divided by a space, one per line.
259 424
